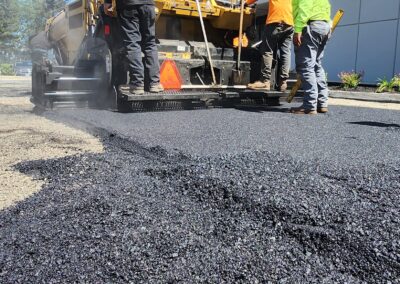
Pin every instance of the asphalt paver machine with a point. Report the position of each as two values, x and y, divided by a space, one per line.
79 57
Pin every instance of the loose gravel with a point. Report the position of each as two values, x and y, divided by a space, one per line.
147 215
213 196
26 136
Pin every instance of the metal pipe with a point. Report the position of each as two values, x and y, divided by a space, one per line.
256 44
201 81
206 42
240 33
210 87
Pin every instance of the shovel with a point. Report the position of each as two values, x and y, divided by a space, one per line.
237 74
206 42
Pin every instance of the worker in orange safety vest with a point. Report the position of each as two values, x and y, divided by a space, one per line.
277 35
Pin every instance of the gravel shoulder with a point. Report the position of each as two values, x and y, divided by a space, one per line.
26 136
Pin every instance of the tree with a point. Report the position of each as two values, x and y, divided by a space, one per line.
53 6
9 24
34 14
20 19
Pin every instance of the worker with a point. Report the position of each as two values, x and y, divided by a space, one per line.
137 20
312 26
277 35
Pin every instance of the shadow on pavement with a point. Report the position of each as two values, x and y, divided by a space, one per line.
375 124
262 109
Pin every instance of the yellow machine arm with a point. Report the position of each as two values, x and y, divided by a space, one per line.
218 13
175 18
336 20
67 29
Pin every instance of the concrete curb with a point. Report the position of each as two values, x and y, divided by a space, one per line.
15 78
368 97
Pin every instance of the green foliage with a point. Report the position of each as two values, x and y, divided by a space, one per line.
389 86
20 19
396 82
351 80
6 69
53 6
385 86
9 23
34 15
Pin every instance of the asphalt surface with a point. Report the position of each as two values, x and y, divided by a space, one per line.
344 136
214 196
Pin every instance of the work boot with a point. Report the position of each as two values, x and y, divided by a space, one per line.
283 86
158 88
301 110
136 90
258 85
322 109
124 88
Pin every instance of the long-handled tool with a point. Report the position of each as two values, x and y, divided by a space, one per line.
336 20
237 73
206 42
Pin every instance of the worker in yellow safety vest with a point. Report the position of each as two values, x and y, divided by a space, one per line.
312 25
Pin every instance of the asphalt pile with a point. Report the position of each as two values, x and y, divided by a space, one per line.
141 215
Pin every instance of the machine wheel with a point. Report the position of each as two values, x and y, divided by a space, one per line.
38 86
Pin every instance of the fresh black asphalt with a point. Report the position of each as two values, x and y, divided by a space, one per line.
214 196
345 135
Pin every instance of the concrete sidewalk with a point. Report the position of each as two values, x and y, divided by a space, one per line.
364 96
14 78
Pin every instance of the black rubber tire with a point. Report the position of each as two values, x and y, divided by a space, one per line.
38 86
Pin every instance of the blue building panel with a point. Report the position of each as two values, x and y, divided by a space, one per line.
373 10
351 8
368 38
376 50
397 59
341 52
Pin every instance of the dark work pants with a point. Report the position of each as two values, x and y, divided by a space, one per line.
138 34
276 37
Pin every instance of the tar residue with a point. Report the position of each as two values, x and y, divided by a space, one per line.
149 215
